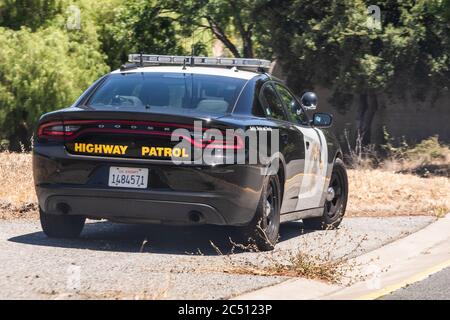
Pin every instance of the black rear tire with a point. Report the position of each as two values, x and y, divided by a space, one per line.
264 228
334 210
61 226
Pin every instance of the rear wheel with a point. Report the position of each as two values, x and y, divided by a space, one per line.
61 226
335 203
263 230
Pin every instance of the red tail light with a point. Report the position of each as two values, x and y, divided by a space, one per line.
56 129
236 143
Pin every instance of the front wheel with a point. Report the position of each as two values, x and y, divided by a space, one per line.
263 230
61 226
336 202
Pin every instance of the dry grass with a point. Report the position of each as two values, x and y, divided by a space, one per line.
373 192
430 157
377 192
298 264
332 264
395 184
17 195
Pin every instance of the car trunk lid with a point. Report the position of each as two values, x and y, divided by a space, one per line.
148 135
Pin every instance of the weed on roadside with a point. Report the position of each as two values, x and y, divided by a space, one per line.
329 265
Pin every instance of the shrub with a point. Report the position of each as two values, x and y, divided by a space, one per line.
39 72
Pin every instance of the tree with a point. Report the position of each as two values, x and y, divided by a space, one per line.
44 69
328 43
138 26
33 14
225 19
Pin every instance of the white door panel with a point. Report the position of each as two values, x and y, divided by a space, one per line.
314 176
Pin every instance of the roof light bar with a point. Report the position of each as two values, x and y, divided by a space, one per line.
199 61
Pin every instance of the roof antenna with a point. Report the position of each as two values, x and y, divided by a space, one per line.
141 59
192 56
184 58
192 49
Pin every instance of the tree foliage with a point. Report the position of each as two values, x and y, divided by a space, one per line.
42 70
15 14
139 26
329 43
231 21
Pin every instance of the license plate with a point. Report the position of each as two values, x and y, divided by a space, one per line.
123 177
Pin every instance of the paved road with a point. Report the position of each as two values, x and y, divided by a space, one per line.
435 287
156 262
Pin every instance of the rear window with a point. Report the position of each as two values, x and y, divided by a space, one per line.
169 91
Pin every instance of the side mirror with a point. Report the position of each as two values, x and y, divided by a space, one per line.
309 101
322 120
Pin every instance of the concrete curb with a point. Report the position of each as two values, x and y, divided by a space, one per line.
385 269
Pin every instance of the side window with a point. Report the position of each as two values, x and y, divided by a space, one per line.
272 105
295 111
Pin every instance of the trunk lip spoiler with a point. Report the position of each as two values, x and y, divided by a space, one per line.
193 141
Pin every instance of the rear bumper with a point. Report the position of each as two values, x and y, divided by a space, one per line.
123 206
222 195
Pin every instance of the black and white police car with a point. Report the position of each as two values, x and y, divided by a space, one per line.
150 143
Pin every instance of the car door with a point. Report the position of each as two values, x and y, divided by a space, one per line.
290 139
313 170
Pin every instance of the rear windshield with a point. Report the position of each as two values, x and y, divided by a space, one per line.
166 92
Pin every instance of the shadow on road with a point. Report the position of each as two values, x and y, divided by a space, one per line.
107 236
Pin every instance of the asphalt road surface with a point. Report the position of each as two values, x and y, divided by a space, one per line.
435 287
117 261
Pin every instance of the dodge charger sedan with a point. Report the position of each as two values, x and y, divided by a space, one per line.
187 141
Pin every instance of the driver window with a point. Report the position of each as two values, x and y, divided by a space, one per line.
295 111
